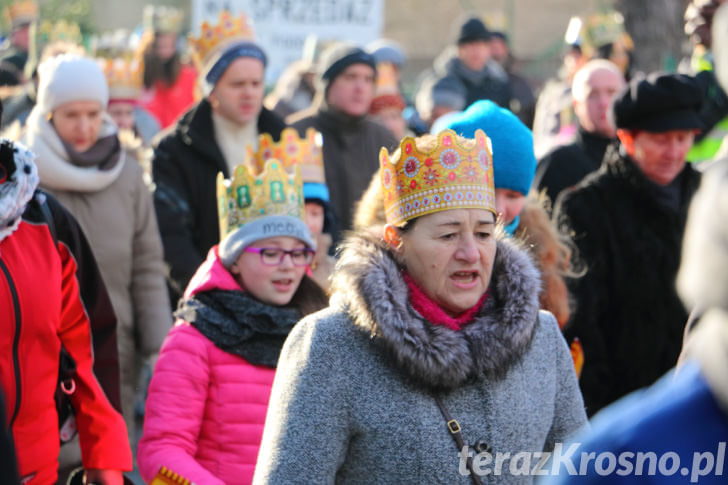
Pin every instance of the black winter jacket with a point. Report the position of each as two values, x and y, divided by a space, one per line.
567 165
186 162
351 156
628 316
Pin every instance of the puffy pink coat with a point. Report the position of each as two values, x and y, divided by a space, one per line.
206 408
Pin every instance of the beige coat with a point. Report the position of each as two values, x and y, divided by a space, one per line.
116 213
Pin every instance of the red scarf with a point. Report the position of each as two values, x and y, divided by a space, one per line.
432 312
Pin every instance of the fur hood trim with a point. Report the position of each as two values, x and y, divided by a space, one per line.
369 287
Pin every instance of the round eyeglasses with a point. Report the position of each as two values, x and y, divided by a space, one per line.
274 256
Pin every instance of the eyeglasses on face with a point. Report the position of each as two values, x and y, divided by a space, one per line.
274 256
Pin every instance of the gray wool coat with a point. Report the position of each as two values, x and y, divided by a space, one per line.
352 400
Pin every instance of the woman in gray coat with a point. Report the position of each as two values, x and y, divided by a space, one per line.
433 342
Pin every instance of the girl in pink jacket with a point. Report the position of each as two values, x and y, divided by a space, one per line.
209 393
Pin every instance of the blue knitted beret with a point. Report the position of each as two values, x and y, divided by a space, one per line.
514 163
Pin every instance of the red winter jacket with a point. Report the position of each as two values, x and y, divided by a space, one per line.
40 308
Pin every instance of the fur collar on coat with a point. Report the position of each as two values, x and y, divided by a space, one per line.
368 285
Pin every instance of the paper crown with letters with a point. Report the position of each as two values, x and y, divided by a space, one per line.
291 151
21 13
456 173
124 77
215 39
247 197
157 18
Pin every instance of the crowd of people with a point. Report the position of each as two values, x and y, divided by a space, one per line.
333 284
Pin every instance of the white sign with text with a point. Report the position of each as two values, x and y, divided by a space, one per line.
282 26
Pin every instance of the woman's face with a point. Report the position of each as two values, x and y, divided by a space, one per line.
450 255
314 216
274 285
165 45
78 123
509 204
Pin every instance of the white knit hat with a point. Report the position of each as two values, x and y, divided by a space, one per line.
70 77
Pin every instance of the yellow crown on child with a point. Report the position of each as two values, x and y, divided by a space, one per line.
123 76
456 173
291 151
247 197
216 38
20 13
163 19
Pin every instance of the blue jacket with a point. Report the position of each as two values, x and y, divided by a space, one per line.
677 418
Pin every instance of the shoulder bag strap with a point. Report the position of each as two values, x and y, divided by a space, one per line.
455 431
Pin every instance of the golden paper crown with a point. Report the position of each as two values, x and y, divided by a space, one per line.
216 38
386 93
455 174
123 76
603 29
165 476
23 12
61 31
119 43
247 197
162 19
291 150
386 79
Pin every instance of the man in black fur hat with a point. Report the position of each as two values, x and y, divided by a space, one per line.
627 221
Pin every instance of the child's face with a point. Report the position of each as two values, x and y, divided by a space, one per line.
314 217
274 285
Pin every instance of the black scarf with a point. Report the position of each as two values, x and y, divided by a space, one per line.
239 324
104 154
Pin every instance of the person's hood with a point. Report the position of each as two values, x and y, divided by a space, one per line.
369 287
211 275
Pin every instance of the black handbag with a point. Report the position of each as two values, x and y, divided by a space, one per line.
65 388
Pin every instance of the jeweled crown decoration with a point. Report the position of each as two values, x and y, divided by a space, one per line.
23 12
247 197
291 151
163 19
61 31
455 174
124 77
216 38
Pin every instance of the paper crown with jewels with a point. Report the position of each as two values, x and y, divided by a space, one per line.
456 173
386 93
291 151
598 30
124 77
247 197
61 31
215 39
163 19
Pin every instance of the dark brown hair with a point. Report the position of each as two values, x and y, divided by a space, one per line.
154 68
309 297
